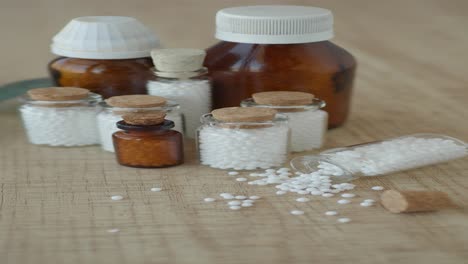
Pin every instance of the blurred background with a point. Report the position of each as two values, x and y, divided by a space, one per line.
27 27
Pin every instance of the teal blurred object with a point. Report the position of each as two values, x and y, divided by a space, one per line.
14 89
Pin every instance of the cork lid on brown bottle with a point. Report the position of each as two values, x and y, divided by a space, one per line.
244 114
136 101
283 98
145 119
58 94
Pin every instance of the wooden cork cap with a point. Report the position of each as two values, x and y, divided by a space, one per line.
283 98
244 114
58 94
415 201
136 101
145 119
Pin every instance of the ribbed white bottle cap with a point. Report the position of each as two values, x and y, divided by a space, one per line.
104 37
275 24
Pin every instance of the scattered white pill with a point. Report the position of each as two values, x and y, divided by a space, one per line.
209 199
232 173
302 192
344 201
234 203
280 192
228 197
330 213
234 207
328 195
117 197
344 220
248 201
240 197
369 201
377 188
156 189
348 195
113 230
246 204
241 179
224 194
254 197
366 204
302 199
297 212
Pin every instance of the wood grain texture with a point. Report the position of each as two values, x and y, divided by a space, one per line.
55 203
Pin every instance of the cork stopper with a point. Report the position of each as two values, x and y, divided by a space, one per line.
58 94
136 101
144 119
415 201
283 98
244 114
178 60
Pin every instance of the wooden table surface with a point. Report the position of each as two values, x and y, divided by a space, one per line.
55 203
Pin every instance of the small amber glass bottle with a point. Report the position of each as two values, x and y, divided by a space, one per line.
146 141
280 48
108 55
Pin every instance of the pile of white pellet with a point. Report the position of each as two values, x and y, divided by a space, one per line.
307 129
243 149
235 202
397 155
60 126
106 122
193 96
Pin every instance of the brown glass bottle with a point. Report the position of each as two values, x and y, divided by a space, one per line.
148 146
240 69
105 77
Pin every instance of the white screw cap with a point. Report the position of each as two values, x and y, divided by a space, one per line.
104 37
274 24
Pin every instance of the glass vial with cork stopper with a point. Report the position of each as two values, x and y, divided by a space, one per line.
58 116
146 140
307 122
115 107
109 55
243 138
268 48
179 75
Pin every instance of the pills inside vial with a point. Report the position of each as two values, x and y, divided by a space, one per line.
117 197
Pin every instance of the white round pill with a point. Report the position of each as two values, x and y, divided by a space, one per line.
302 199
348 195
117 197
234 203
280 192
344 220
377 188
297 212
241 179
246 204
248 201
369 201
330 213
366 204
254 197
344 201
156 189
209 199
234 207
113 230
240 197
232 173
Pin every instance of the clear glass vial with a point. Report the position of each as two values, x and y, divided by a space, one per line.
148 146
308 123
383 157
179 75
265 48
244 142
63 117
110 115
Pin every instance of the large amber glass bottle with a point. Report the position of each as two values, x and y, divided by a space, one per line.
277 48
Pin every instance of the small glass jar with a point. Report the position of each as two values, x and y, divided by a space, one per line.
64 123
268 48
382 157
110 115
308 123
148 146
109 55
180 76
243 145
